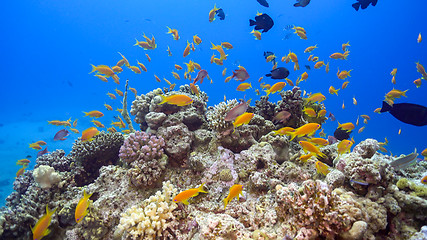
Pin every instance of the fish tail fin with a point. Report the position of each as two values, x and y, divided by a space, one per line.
225 202
251 22
386 107
201 188
85 195
93 68
86 114
136 44
268 92
293 135
169 29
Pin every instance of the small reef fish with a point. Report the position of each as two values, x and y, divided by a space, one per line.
405 161
417 82
309 49
245 118
342 56
74 130
61 134
94 113
174 33
120 93
240 74
176 99
108 107
332 90
194 89
226 45
102 78
349 126
305 157
244 86
421 69
309 111
277 87
88 134
82 206
278 73
344 146
354 101
393 72
345 45
220 13
424 180
20 171
322 168
316 97
212 13
321 113
307 129
197 40
309 147
103 69
409 113
319 64
282 116
319 141
186 50
41 228
263 21
302 3
200 76
123 61
187 194
142 66
111 95
419 38
237 111
219 48
284 131
363 4
234 192
22 162
116 69
343 74
98 123
345 84
360 182
395 93
257 35
327 67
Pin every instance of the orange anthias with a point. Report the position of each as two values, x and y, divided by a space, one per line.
185 195
88 134
41 228
235 191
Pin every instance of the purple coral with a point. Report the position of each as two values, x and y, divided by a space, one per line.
141 146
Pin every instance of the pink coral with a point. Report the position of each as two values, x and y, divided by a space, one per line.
141 145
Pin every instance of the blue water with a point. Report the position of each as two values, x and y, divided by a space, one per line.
48 46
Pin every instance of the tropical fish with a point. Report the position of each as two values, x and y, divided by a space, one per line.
309 111
35 146
419 38
263 3
240 74
263 22
277 87
309 147
319 141
302 3
342 134
332 90
237 110
243 86
349 126
23 162
409 113
61 134
363 4
187 194
42 152
41 228
174 33
88 134
187 49
245 118
344 146
257 34
281 116
360 182
342 56
197 40
278 73
94 113
103 69
200 76
284 131
235 191
123 61
111 95
345 45
417 82
176 99
212 13
305 157
424 180
219 48
104 79
316 97
322 168
405 161
306 129
309 49
81 208
20 171
178 67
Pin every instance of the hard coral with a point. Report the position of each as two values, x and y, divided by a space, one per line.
144 153
151 219
313 207
216 114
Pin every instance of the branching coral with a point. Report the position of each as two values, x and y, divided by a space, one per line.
151 218
216 114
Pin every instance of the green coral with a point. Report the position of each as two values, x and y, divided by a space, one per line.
419 191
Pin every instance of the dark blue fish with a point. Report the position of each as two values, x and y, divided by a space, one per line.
44 151
307 67
263 3
409 113
263 22
278 73
363 4
220 13
61 134
301 3
342 134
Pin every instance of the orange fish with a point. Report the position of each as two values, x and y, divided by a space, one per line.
319 64
88 134
194 89
344 84
327 67
316 97
41 228
103 69
212 13
284 131
227 45
176 99
342 56
148 57
123 61
219 48
174 33
322 168
277 87
187 50
349 126
257 35
98 123
117 69
309 49
419 38
235 191
310 112
345 45
20 171
94 113
319 141
187 194
309 147
344 146
393 72
344 74
104 79
305 157
307 129
82 206
108 107
245 118
197 40
224 72
243 86
321 113
332 90
417 82
142 66
178 67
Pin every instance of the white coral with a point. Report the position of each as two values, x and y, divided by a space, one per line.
45 176
148 220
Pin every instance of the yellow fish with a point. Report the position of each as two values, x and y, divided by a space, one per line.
277 87
235 191
344 146
81 209
187 194
41 228
322 168
176 99
306 129
309 147
88 134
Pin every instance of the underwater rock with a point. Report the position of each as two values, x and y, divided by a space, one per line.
356 232
292 102
335 178
367 148
56 159
280 145
155 119
178 140
141 107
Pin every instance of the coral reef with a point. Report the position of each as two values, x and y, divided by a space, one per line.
144 153
45 176
215 116
151 218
